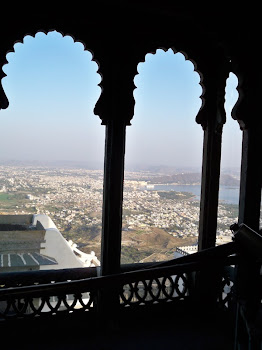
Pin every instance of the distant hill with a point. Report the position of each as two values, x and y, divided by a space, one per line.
192 179
228 180
89 165
161 169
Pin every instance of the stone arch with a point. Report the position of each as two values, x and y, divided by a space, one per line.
165 48
189 71
193 78
4 102
85 98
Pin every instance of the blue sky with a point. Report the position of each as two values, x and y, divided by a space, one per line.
52 87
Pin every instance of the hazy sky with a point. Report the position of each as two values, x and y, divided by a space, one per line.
52 88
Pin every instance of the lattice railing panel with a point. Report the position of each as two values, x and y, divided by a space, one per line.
31 307
155 290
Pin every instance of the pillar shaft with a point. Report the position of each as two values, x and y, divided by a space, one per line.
113 197
209 187
251 174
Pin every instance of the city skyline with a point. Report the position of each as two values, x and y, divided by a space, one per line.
52 86
154 221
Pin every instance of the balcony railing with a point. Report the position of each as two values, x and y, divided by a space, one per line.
53 292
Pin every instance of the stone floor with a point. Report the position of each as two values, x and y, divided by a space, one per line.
184 332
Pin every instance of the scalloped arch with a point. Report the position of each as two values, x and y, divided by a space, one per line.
4 103
165 49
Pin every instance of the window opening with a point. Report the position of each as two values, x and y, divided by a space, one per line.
51 163
163 161
230 167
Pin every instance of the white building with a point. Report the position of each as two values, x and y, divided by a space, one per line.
33 242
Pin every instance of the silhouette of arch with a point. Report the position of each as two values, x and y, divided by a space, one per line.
177 60
4 102
165 49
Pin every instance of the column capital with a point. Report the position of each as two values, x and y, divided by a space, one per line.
213 111
116 101
246 68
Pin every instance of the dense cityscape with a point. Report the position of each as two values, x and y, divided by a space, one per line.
154 222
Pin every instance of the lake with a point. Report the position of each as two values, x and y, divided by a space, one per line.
227 194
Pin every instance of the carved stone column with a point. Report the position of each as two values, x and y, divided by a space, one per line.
115 107
246 112
212 117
